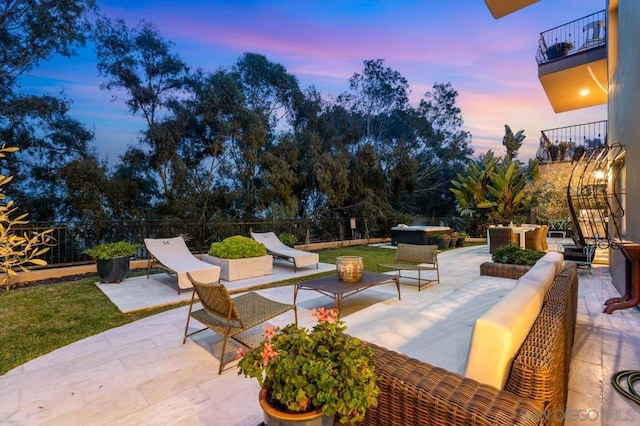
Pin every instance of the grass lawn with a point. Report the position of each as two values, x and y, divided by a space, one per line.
36 320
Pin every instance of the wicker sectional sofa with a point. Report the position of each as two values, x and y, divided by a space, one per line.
414 392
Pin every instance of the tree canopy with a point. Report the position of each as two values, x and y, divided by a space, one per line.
245 141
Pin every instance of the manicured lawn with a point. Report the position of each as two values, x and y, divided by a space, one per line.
38 319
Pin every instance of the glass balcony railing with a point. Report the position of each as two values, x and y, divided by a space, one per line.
560 144
574 37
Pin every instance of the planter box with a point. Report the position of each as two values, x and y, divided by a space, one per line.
240 269
503 270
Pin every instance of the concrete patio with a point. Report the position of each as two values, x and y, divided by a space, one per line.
141 373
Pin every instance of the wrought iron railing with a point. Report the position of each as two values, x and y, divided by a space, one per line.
560 144
574 37
71 239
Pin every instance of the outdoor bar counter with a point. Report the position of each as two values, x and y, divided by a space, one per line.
415 234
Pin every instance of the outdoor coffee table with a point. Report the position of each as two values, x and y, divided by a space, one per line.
338 290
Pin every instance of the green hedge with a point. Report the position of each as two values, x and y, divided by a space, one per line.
237 247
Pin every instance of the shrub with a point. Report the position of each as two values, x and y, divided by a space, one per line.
515 255
111 250
237 247
287 239
445 236
17 250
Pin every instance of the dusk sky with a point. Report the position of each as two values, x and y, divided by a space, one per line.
491 63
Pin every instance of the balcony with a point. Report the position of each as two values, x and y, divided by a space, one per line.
562 143
500 8
572 63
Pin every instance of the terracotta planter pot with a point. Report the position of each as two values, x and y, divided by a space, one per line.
273 417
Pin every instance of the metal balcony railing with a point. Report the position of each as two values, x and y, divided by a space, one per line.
574 37
562 143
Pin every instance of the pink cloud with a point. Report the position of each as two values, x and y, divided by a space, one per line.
489 62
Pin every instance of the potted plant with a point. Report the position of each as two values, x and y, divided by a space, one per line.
559 49
239 258
461 237
288 239
112 260
322 370
442 240
563 149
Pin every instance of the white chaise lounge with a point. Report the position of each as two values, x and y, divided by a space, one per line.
172 255
279 250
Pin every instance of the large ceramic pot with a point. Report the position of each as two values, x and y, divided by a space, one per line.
274 417
113 270
460 241
349 268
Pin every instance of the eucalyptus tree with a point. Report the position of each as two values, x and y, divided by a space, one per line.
32 31
139 65
270 95
378 102
35 30
375 94
445 151
48 139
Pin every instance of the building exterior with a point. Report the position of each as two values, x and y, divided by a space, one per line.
599 65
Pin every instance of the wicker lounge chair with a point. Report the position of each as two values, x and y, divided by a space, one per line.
173 256
422 258
279 250
230 316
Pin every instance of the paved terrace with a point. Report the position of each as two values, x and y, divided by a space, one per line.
141 373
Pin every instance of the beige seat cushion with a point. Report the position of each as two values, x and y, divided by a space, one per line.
499 333
553 257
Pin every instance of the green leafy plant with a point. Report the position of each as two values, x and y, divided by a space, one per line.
17 251
111 250
323 368
287 239
442 236
237 247
516 255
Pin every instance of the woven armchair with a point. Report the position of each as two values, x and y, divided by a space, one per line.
501 236
533 239
229 316
543 237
